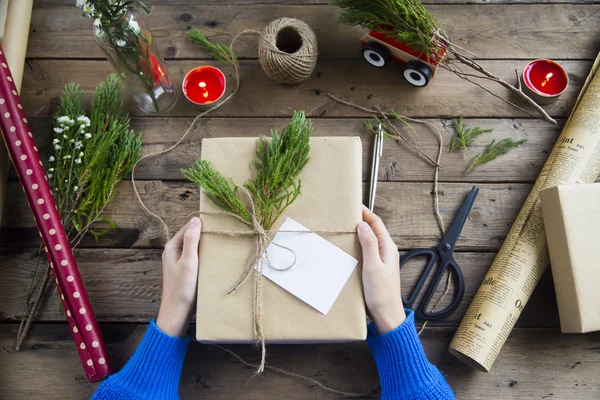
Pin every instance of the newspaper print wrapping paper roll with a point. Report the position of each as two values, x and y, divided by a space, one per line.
25 157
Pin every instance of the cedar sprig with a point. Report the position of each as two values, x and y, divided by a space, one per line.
222 191
277 167
464 136
220 52
494 150
406 20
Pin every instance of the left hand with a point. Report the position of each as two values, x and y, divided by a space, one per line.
180 278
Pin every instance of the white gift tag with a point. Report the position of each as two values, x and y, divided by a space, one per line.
321 269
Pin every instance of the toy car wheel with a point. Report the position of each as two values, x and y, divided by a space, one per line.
417 73
376 54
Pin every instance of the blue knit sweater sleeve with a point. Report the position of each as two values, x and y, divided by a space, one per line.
404 371
153 372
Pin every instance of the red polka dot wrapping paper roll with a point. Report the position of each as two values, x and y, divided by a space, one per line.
25 157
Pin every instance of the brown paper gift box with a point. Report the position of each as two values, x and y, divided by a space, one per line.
330 200
572 223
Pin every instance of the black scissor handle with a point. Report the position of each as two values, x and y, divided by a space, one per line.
458 277
432 256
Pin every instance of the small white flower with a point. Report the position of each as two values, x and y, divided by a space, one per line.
75 188
78 145
63 119
51 158
120 43
81 154
88 135
65 137
55 141
58 130
83 118
66 127
51 169
135 27
141 73
77 161
67 157
98 23
57 147
50 175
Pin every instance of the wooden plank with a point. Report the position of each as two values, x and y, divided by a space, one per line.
526 31
355 80
406 208
125 285
533 364
398 163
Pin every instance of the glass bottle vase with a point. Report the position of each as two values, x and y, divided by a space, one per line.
129 46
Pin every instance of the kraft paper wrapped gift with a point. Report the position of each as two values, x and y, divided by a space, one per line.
572 223
330 200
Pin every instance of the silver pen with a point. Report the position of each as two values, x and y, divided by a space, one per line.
377 153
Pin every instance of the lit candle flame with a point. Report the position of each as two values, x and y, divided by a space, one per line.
205 94
548 76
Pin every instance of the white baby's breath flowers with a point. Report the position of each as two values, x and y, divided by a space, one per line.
63 119
50 176
120 42
75 188
83 118
51 159
88 135
57 147
77 161
78 144
67 157
80 154
55 141
58 130
50 169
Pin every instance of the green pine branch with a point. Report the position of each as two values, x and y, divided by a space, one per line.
220 52
493 151
222 191
277 166
406 20
464 136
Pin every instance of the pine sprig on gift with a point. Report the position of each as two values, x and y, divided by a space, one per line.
222 191
221 52
494 150
464 136
277 166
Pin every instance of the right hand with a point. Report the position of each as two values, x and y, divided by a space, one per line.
381 273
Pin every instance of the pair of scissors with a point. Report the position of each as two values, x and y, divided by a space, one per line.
440 258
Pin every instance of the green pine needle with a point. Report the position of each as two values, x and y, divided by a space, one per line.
493 151
464 136
277 166
88 161
220 52
406 20
222 191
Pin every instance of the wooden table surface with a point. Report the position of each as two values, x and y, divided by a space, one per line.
122 270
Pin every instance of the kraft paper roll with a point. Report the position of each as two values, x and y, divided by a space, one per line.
75 302
15 18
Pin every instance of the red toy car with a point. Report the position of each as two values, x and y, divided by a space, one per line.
378 48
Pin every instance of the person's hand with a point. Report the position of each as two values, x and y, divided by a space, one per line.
381 273
180 277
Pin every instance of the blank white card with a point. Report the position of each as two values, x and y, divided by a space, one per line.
321 269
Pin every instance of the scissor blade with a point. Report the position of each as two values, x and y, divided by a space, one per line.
451 236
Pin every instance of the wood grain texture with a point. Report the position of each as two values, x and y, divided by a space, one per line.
398 163
125 285
355 80
526 31
405 207
570 364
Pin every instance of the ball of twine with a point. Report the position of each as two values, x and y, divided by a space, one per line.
287 50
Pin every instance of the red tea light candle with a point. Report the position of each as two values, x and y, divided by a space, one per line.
204 85
545 81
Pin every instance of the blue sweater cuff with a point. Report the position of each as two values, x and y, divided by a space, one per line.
153 372
404 370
